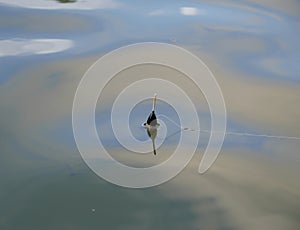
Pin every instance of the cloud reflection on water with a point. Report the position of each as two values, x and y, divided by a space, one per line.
17 47
54 5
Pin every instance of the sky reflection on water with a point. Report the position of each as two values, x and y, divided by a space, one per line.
253 49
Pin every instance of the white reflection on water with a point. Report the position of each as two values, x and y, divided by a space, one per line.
53 5
190 11
15 47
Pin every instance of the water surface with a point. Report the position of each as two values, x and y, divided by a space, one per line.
252 47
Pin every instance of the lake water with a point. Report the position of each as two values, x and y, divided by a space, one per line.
253 50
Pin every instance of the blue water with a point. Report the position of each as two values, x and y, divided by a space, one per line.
44 53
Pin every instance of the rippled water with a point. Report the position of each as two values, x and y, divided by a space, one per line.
252 47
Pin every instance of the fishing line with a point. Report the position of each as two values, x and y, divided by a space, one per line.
227 132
